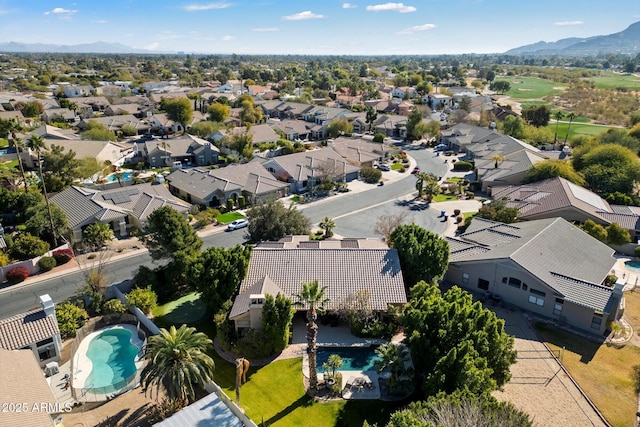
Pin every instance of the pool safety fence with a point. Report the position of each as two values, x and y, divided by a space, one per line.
99 394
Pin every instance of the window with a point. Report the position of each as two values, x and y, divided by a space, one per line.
536 297
465 278
46 353
557 307
514 282
596 321
483 284
504 280
44 342
524 286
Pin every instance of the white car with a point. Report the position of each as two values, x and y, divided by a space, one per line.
384 167
238 223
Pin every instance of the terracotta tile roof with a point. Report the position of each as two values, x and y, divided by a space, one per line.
26 328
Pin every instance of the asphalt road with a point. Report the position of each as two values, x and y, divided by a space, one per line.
355 216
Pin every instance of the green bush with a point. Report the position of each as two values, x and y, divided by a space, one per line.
27 246
4 259
161 410
70 317
46 263
143 298
462 166
114 306
370 175
225 332
254 345
336 388
241 202
379 137
230 204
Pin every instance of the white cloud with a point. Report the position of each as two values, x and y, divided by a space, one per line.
417 28
207 6
60 11
566 23
265 30
152 46
392 7
228 38
348 6
99 21
307 14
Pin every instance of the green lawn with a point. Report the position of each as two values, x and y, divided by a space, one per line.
603 372
397 166
576 129
531 87
187 309
228 217
4 142
9 165
611 80
444 198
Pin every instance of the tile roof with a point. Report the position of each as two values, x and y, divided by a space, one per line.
26 328
342 271
23 382
546 248
301 166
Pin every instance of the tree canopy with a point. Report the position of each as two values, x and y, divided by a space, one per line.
169 236
423 255
217 272
608 168
552 168
499 86
272 221
60 169
537 115
498 210
456 344
218 112
179 110
339 127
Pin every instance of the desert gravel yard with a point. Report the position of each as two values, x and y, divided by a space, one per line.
538 386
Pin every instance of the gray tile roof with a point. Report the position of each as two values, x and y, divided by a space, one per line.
264 286
583 293
301 166
547 249
200 183
26 328
342 271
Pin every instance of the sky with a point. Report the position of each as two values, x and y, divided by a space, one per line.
318 27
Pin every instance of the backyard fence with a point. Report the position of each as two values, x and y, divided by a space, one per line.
89 393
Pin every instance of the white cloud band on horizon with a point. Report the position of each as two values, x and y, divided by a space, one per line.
307 14
567 23
98 21
265 30
416 28
391 7
348 6
228 38
207 6
59 10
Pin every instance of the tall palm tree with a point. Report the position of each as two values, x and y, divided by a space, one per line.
312 297
177 361
12 127
558 116
18 144
37 144
327 225
571 117
393 357
431 189
422 178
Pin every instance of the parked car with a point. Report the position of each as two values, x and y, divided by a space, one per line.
384 167
238 223
416 170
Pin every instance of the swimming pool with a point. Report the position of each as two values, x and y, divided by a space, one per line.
126 176
633 266
107 360
353 358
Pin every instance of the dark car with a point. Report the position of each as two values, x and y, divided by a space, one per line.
415 170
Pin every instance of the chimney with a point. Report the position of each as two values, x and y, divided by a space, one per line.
47 305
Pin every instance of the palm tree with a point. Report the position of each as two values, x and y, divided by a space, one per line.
497 158
431 189
312 296
18 144
37 144
422 179
571 117
394 358
327 225
11 127
178 361
559 115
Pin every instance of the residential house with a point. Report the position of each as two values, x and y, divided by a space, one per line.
322 116
24 384
59 115
361 152
102 151
75 91
87 106
345 267
122 109
121 208
212 188
437 101
548 267
403 92
36 330
112 91
292 110
163 124
557 197
294 130
257 91
12 115
391 125
304 170
115 123
52 132
259 134
149 86
186 149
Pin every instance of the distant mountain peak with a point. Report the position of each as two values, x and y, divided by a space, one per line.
624 42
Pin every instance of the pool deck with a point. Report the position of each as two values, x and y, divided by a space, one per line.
82 364
57 383
630 276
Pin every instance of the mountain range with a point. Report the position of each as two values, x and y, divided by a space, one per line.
95 47
625 42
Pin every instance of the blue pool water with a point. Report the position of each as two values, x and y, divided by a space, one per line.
633 266
112 356
126 176
353 358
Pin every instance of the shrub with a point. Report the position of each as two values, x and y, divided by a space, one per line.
379 137
459 219
456 212
462 166
225 332
46 263
27 246
4 259
17 274
241 202
70 317
206 217
114 306
230 204
62 256
370 175
143 298
163 409
254 344
469 194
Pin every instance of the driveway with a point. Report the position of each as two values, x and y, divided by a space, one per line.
538 385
